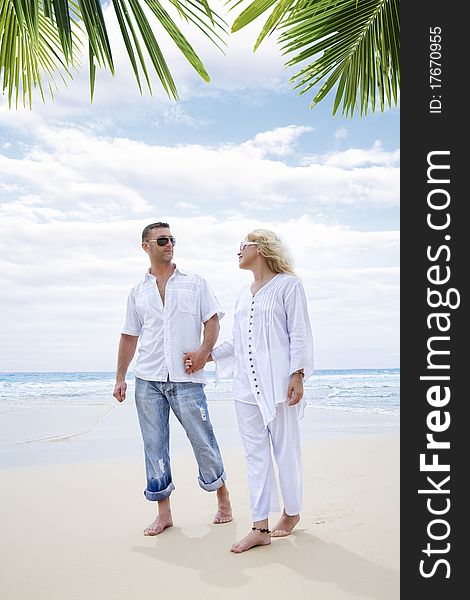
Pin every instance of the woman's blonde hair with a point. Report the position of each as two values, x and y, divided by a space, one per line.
273 249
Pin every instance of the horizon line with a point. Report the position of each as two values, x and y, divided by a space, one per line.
213 370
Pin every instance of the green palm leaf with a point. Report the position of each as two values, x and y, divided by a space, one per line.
350 44
27 53
31 49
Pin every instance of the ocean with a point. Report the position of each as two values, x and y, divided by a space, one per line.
373 391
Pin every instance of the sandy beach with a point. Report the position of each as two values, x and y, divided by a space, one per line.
72 513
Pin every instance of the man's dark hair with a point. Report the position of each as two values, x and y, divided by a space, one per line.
149 228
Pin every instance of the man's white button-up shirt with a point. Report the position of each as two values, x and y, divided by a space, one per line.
167 330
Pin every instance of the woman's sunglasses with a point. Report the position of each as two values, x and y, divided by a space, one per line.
244 244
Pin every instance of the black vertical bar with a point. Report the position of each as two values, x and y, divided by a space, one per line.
434 52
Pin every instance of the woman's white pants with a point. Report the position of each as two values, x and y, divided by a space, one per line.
282 435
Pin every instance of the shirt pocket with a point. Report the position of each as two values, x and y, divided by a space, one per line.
187 301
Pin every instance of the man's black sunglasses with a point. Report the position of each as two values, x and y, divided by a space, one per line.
163 241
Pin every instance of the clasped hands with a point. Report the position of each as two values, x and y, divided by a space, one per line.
195 361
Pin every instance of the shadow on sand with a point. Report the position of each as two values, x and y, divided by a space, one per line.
302 553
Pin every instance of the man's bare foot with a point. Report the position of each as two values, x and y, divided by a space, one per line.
224 508
285 525
254 538
158 525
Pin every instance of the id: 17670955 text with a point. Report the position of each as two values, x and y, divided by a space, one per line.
435 69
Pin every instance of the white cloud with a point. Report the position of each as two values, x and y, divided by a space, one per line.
85 175
175 114
356 157
187 206
278 142
67 283
341 134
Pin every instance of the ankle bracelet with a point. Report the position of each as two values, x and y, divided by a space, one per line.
262 530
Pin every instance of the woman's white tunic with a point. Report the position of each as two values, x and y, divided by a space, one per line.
272 338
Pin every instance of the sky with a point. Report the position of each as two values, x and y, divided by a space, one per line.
80 180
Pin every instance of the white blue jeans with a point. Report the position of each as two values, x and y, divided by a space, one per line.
153 400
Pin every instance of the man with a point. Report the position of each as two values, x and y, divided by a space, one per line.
167 311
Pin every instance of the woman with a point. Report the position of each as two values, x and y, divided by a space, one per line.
270 354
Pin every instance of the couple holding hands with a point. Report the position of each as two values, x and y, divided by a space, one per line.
175 315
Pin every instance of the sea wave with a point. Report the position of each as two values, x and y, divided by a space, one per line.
374 391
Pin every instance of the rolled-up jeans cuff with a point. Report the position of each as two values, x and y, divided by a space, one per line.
215 485
157 496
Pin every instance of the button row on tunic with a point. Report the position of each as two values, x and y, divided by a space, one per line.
249 345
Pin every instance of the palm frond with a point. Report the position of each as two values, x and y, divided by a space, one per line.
353 42
137 33
27 54
31 49
350 44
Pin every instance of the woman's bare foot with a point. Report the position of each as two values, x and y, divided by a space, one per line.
224 508
158 525
254 538
285 525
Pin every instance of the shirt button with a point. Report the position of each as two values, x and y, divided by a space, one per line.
257 393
